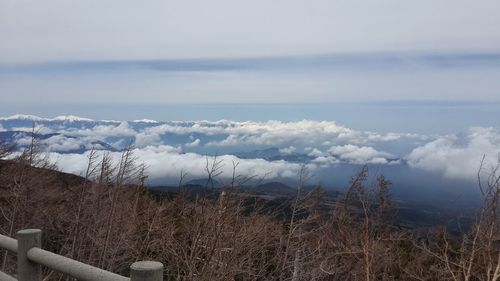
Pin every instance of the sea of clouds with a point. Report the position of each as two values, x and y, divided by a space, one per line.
167 148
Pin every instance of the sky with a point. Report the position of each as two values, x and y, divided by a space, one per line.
93 58
60 30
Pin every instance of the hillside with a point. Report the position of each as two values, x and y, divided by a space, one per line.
111 220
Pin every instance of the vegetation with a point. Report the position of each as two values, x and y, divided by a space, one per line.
108 218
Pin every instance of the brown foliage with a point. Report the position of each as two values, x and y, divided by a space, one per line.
109 219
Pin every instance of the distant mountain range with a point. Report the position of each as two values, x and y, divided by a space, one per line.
408 214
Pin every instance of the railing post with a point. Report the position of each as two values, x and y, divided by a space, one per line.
146 271
27 270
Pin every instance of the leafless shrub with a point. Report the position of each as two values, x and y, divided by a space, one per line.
475 255
109 219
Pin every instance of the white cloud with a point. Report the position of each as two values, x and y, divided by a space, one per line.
325 161
269 133
70 162
387 137
194 143
62 144
316 138
287 150
101 131
167 162
22 139
300 133
143 139
315 152
360 155
458 157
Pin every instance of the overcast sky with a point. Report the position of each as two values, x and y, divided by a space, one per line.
59 30
159 52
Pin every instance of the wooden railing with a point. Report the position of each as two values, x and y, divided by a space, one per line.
31 257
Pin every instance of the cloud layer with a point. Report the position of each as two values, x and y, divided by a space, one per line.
459 156
274 149
167 163
59 30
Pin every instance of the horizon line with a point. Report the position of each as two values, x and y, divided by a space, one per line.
237 62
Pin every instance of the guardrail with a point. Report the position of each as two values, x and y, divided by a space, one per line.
31 257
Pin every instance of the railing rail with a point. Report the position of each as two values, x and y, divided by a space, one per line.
78 270
9 244
6 277
30 258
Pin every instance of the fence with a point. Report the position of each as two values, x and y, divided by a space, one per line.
31 258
